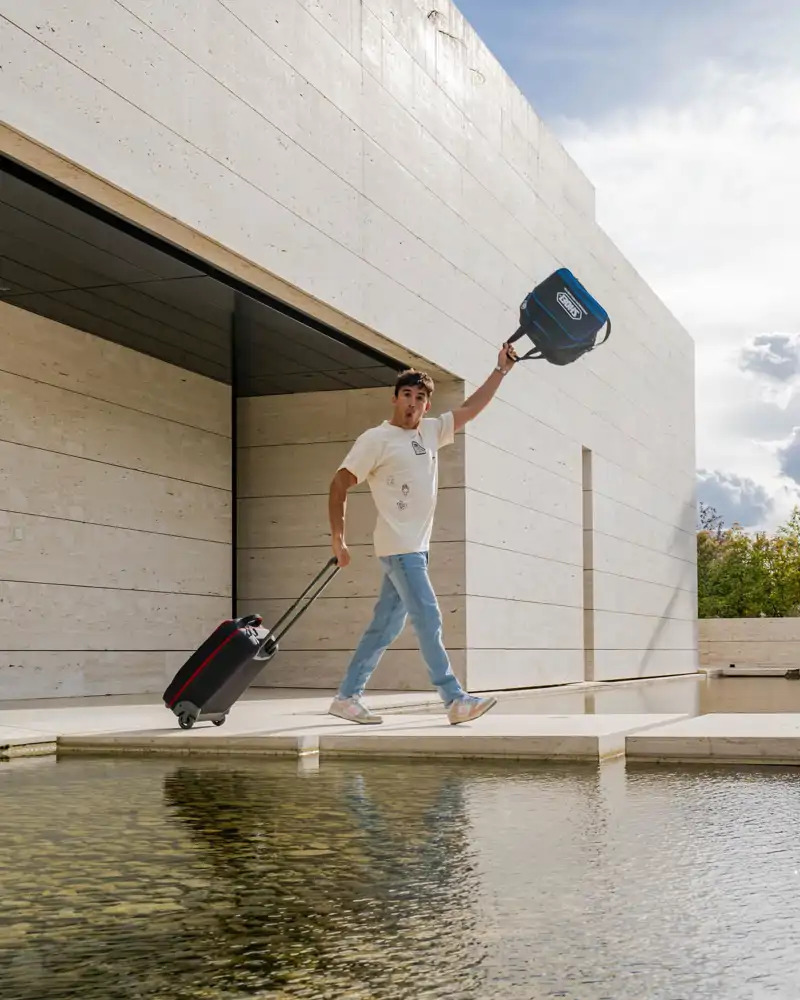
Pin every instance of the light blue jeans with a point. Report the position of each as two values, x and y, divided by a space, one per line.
406 593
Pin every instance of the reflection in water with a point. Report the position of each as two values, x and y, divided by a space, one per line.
750 694
129 879
347 882
692 695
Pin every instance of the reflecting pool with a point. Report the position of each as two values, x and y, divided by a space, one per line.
691 695
174 878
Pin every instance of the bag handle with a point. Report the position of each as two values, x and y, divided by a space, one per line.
532 355
535 354
608 333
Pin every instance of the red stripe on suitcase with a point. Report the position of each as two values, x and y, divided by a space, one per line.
202 666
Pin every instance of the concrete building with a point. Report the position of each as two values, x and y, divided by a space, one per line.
226 225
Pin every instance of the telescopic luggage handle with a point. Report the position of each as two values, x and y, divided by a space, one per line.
321 581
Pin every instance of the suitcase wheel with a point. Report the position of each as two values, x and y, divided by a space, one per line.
220 722
185 721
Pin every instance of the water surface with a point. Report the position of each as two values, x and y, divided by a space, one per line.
169 878
693 695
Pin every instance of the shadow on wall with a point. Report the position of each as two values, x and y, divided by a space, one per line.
689 575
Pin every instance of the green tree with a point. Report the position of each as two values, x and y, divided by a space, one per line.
741 575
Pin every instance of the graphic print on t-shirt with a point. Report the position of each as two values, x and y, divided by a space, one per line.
403 480
405 489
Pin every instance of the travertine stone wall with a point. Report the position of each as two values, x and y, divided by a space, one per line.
762 642
394 172
289 449
114 513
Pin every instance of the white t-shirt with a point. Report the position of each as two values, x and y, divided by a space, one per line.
402 469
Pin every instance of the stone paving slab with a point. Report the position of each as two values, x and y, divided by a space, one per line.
96 716
562 737
544 737
17 742
722 738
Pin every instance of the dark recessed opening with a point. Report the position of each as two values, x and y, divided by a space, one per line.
67 259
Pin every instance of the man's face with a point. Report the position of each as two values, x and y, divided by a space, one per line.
410 405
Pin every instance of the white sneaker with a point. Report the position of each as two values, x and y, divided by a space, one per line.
353 710
468 708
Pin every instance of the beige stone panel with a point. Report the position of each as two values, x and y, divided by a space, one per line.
506 525
512 430
499 624
617 557
749 629
399 670
63 486
319 417
304 417
303 520
47 550
513 576
338 623
53 419
301 470
268 161
286 522
322 60
623 631
42 674
283 574
388 184
629 664
620 520
41 349
256 73
757 653
506 669
621 593
502 475
53 617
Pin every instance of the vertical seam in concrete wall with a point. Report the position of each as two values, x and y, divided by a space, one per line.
588 565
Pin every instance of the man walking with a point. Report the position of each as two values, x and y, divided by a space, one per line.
399 460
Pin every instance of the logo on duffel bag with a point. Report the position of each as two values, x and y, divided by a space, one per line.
571 306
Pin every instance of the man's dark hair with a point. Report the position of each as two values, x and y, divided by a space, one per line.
412 377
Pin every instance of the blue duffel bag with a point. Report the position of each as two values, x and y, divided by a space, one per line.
561 319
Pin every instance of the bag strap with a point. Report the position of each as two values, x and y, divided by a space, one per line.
536 354
608 334
532 355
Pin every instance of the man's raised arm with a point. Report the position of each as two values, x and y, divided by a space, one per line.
481 398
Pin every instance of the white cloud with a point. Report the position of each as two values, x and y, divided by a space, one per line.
775 356
702 198
736 499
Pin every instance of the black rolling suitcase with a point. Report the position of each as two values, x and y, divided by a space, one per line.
217 674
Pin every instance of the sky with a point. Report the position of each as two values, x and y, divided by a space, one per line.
686 118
